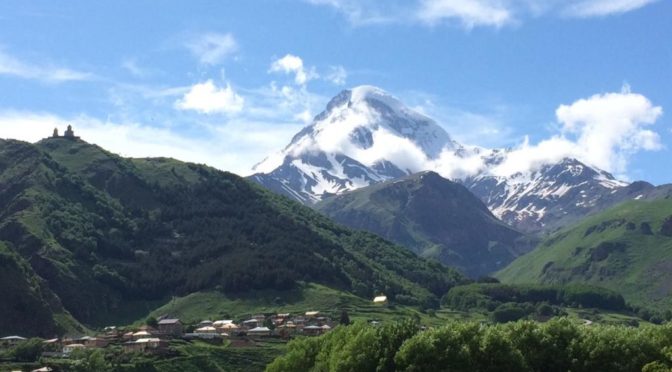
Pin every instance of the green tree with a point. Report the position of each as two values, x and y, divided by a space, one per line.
345 318
29 350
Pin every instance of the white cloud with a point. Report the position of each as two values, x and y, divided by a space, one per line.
473 13
360 12
233 146
599 8
491 128
207 98
604 130
337 75
127 139
470 13
131 65
305 117
213 48
12 66
291 64
452 166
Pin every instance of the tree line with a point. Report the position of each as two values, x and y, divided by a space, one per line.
558 345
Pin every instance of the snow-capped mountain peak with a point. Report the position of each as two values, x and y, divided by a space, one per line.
532 200
364 128
366 136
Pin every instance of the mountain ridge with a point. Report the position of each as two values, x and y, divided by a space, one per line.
366 136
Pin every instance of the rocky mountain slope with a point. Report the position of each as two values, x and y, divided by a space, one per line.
432 216
365 136
86 233
553 196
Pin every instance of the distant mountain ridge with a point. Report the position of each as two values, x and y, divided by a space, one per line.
552 196
432 216
366 136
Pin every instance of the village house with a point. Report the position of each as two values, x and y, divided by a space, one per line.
220 323
43 369
146 345
228 327
11 340
288 325
299 321
206 329
382 299
141 334
110 337
92 342
259 332
322 320
312 330
205 323
279 319
171 327
252 323
52 342
68 349
203 336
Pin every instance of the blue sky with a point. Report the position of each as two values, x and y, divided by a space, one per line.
227 83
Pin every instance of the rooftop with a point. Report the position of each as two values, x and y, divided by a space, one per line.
169 321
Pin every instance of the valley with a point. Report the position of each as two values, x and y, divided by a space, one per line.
95 246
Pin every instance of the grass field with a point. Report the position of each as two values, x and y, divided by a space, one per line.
308 297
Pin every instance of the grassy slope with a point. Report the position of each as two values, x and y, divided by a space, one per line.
314 297
308 297
617 254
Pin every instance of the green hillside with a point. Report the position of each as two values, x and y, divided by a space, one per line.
627 248
112 238
305 297
433 217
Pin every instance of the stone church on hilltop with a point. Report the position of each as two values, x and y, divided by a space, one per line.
69 133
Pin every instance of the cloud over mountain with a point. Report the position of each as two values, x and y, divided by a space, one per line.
603 130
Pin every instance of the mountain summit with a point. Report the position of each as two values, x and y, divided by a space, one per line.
364 136
367 136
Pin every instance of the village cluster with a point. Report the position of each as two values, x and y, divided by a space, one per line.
156 339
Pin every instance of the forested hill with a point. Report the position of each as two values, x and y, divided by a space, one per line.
433 217
91 233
